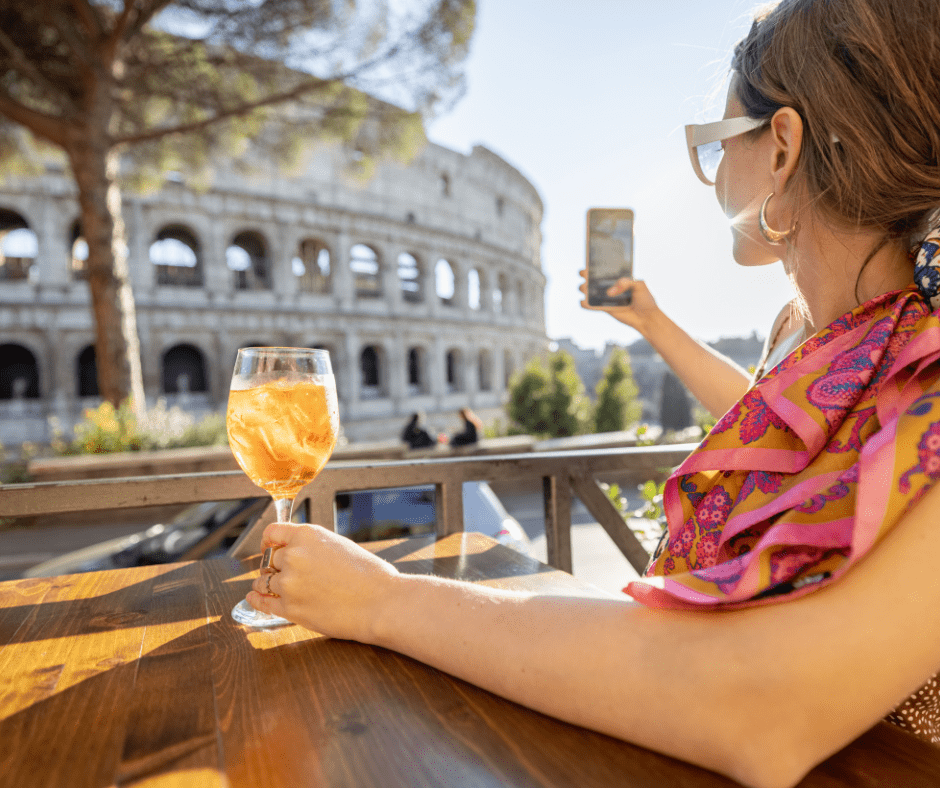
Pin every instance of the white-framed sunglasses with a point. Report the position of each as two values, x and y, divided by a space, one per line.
705 140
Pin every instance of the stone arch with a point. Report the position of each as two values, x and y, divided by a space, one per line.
416 361
19 373
410 278
453 370
184 370
366 267
474 290
509 368
485 370
311 265
499 293
248 259
78 249
19 248
372 372
445 282
86 373
176 255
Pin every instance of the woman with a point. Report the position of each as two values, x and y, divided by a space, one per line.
798 575
472 427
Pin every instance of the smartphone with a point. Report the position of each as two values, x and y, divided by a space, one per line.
609 254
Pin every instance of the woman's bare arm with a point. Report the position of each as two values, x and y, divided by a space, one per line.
715 380
761 694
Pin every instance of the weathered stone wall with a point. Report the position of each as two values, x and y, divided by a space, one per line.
474 211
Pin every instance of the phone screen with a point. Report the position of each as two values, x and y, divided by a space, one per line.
609 253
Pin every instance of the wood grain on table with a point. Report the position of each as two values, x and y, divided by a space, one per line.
140 677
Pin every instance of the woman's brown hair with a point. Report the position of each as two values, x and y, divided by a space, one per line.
865 73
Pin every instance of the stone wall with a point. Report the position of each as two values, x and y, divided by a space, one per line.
312 258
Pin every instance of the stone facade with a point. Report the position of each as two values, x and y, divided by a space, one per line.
424 282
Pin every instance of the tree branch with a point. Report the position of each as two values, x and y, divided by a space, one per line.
89 16
309 86
45 126
28 68
67 31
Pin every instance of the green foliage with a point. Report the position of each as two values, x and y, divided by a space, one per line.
107 429
549 400
704 420
641 437
617 404
16 470
652 495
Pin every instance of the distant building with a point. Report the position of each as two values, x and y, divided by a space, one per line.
425 283
648 366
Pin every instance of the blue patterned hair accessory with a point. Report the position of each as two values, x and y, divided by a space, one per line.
927 268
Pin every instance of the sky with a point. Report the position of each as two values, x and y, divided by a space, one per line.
589 101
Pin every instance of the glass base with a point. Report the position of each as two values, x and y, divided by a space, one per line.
245 614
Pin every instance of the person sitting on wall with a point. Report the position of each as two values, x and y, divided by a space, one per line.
472 427
415 435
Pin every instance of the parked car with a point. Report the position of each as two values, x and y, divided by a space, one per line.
207 530
370 515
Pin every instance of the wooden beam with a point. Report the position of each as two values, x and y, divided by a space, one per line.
603 510
557 495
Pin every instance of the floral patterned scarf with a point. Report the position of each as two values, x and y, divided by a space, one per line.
818 461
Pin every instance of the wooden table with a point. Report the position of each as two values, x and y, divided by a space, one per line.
140 677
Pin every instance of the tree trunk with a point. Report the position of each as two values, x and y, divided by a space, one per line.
117 347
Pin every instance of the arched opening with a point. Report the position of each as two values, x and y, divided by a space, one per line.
485 370
454 370
364 263
18 248
445 184
473 289
370 369
184 370
416 371
409 277
444 282
311 266
175 255
247 258
521 304
78 248
498 293
19 373
509 368
87 373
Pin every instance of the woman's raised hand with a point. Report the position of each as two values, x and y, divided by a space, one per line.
322 581
638 314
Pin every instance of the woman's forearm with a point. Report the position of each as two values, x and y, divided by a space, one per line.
658 679
715 381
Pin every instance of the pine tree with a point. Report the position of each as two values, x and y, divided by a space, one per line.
549 400
617 405
171 83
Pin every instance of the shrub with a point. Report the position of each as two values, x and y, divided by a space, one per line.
549 400
107 429
617 405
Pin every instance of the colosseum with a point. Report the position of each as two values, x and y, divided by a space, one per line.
424 283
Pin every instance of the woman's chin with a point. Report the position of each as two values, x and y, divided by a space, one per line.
749 253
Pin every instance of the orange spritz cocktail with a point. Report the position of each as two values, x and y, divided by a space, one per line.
282 432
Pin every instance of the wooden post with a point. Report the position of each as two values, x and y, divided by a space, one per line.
557 493
448 501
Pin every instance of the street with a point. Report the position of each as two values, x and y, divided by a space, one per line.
595 557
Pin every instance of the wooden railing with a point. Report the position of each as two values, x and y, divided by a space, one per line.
564 474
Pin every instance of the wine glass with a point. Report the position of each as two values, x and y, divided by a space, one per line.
282 423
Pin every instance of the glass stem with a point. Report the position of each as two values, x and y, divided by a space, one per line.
283 508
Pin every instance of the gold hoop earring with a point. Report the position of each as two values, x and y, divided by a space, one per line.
771 235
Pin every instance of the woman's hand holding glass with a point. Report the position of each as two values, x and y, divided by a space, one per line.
323 581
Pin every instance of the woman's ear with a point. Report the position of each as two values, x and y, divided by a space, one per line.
786 129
